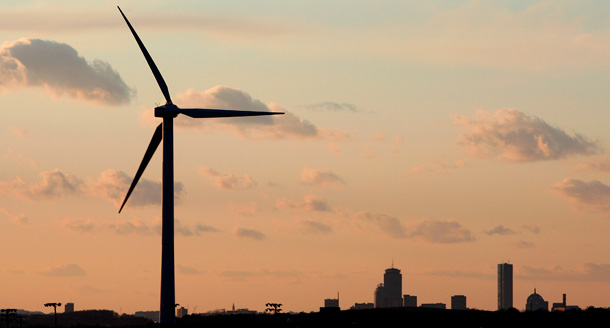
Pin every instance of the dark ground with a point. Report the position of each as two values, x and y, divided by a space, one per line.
396 317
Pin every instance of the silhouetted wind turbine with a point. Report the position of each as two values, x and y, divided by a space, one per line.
165 132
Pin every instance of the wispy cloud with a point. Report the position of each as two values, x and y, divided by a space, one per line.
228 180
512 135
65 270
222 97
315 227
19 219
58 68
438 166
586 272
593 196
79 225
320 178
335 107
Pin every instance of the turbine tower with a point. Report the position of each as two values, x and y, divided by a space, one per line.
165 132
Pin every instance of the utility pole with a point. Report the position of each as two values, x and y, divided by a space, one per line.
54 305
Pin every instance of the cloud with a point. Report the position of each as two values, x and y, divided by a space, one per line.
187 270
524 244
320 178
19 219
315 227
54 185
135 226
113 185
586 272
249 233
438 166
195 230
59 69
228 180
591 196
532 229
500 230
310 203
79 225
22 132
513 136
19 158
222 97
66 270
247 209
444 232
334 107
389 225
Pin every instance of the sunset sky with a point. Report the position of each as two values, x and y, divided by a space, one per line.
442 136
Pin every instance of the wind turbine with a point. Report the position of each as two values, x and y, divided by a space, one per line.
165 132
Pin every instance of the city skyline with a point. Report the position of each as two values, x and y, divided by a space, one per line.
447 137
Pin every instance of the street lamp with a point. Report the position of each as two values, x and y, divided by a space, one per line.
8 313
54 305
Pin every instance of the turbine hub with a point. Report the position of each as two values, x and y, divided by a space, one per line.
167 110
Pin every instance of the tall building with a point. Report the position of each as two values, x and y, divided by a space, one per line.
505 286
69 307
379 297
458 302
392 287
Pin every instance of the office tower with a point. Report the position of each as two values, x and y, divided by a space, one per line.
505 286
181 312
458 302
69 307
392 287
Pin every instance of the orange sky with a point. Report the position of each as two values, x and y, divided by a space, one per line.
446 138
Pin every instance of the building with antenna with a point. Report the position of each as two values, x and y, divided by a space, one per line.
389 294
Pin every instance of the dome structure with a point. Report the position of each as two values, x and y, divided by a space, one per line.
535 302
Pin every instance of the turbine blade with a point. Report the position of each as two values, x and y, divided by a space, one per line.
150 61
152 147
207 113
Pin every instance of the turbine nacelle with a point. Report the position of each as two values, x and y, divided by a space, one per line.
167 110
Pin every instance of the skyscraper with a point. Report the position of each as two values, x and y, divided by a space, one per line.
392 285
505 286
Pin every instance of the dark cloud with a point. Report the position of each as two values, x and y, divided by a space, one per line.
500 230
249 233
59 69
310 203
593 196
512 135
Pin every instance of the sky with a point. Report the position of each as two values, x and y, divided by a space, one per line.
440 137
